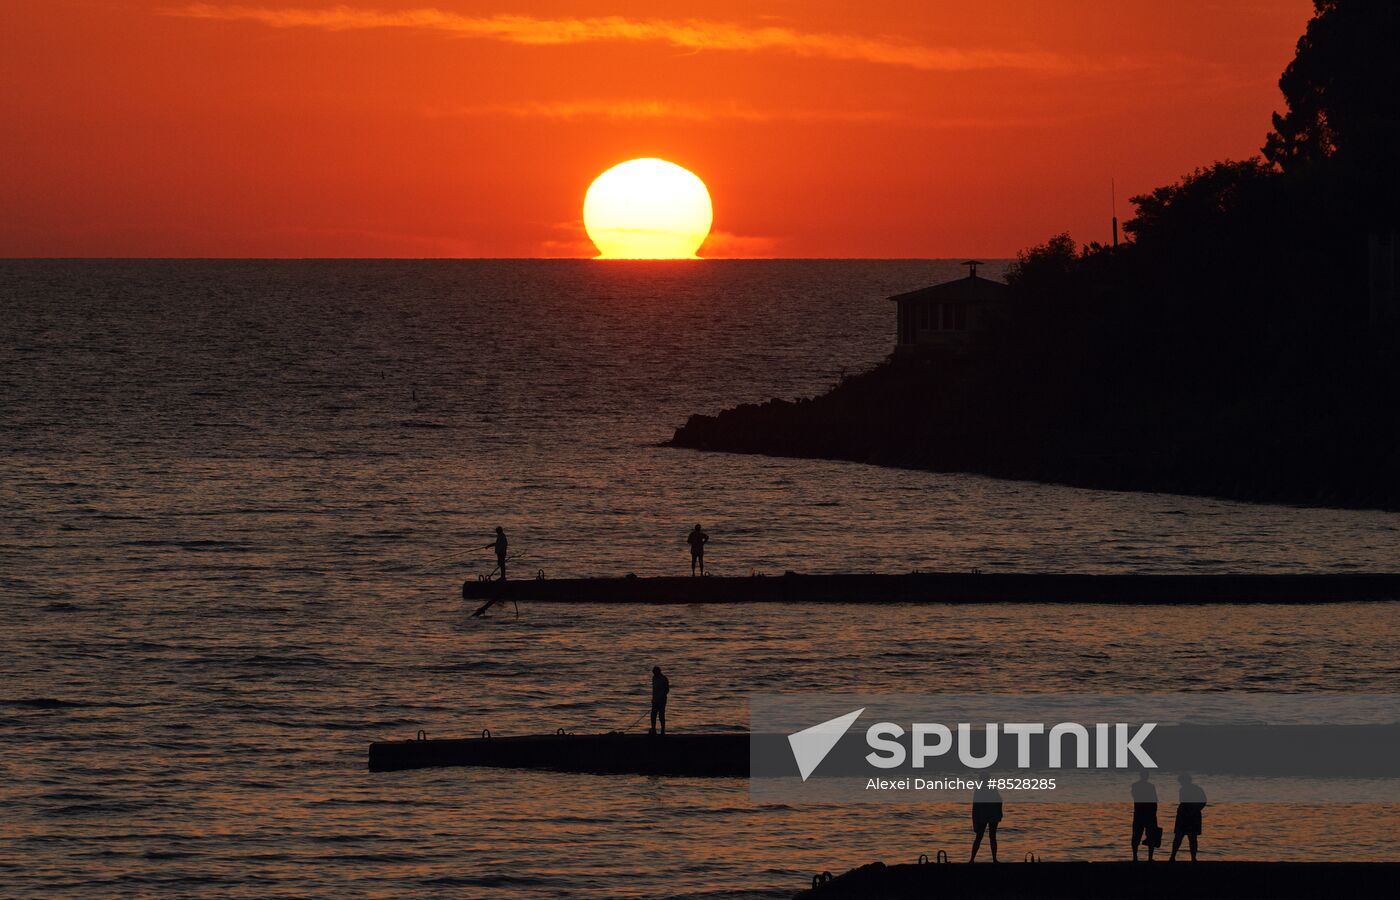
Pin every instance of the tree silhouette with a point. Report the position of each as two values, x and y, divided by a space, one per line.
1343 95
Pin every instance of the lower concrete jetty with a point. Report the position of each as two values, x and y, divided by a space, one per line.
949 587
718 755
1159 879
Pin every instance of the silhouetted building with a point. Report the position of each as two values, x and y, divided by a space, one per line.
948 315
1385 281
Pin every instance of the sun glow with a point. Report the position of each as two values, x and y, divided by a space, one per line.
647 209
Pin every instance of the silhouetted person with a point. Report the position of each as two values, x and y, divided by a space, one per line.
697 540
1145 816
501 545
660 688
986 813
1188 815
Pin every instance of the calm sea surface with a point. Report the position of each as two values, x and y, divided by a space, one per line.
239 498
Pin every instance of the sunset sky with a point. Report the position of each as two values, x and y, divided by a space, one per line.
440 128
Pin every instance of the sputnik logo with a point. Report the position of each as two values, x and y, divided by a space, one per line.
811 745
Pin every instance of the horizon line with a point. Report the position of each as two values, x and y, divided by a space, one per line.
958 256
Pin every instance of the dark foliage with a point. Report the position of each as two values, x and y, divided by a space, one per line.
1343 93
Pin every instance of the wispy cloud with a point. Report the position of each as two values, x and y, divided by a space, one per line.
727 245
666 110
628 110
569 241
686 34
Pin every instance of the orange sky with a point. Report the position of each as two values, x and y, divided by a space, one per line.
443 128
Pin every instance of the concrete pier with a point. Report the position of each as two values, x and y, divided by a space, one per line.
722 755
1112 880
950 587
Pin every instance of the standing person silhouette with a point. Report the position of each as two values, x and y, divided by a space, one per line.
501 545
986 815
660 689
1188 815
697 540
1145 816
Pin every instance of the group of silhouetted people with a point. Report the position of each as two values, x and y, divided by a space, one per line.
986 800
697 539
1191 799
987 814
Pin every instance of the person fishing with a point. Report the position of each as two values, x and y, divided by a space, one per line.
697 540
501 545
660 689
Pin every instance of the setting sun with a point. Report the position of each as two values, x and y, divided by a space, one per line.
647 209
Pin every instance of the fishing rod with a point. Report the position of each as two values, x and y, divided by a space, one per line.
634 722
455 555
512 558
458 555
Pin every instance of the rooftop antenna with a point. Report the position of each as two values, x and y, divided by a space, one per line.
972 265
1113 195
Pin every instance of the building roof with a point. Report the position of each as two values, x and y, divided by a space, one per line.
972 289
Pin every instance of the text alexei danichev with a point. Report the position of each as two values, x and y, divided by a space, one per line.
924 784
959 784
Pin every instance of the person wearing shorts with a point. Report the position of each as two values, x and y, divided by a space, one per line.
697 540
986 815
1145 830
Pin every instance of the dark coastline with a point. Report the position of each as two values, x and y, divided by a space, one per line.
947 415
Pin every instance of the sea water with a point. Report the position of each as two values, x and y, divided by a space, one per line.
240 497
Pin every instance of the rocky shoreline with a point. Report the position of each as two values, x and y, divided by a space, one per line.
945 415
